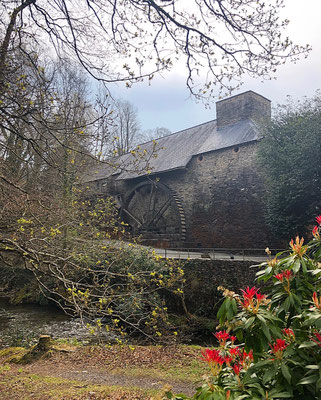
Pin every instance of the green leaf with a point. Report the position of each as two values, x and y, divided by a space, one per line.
286 304
227 302
296 298
307 345
269 373
311 320
275 331
257 366
318 322
265 329
239 335
234 306
222 312
229 313
313 366
316 271
286 373
296 266
249 322
307 380
281 395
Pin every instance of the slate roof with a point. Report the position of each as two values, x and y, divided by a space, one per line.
174 151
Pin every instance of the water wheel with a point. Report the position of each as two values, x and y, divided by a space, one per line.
154 211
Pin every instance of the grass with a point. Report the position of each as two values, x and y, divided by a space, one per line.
188 373
139 372
36 387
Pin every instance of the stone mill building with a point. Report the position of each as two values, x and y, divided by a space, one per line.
198 187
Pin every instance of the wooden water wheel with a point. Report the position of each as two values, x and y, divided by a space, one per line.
155 212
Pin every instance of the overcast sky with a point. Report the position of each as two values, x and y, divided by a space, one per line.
166 102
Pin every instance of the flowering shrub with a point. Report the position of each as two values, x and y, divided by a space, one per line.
276 350
117 287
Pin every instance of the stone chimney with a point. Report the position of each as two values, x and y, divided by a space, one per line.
247 105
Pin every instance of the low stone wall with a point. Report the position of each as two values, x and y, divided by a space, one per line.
200 293
204 276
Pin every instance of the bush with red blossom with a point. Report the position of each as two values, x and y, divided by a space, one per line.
269 345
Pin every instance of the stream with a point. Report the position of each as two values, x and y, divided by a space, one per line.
21 325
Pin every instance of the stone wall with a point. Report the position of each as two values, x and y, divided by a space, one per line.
222 197
203 278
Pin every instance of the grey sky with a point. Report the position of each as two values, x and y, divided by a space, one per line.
166 102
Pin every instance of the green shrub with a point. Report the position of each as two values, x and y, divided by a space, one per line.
278 354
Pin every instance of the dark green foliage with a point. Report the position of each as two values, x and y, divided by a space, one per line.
290 157
276 350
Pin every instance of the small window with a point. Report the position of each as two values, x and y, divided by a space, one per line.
236 149
200 157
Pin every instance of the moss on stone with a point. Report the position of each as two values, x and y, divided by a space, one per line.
12 354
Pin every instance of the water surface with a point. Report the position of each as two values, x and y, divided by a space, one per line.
21 325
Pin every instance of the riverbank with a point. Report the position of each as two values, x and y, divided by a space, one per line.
99 373
21 324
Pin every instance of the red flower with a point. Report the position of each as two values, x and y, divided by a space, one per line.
233 338
222 336
288 332
234 352
228 359
248 355
315 232
259 296
249 293
279 276
318 338
287 274
237 369
212 356
318 219
251 299
279 346
316 300
245 303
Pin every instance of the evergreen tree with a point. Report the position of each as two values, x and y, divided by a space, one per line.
290 156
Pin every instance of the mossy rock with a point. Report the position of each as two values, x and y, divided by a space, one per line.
42 349
29 293
12 354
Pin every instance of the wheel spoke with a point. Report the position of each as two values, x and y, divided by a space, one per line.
151 203
133 217
139 201
151 210
156 217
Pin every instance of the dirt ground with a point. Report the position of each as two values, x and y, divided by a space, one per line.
97 373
